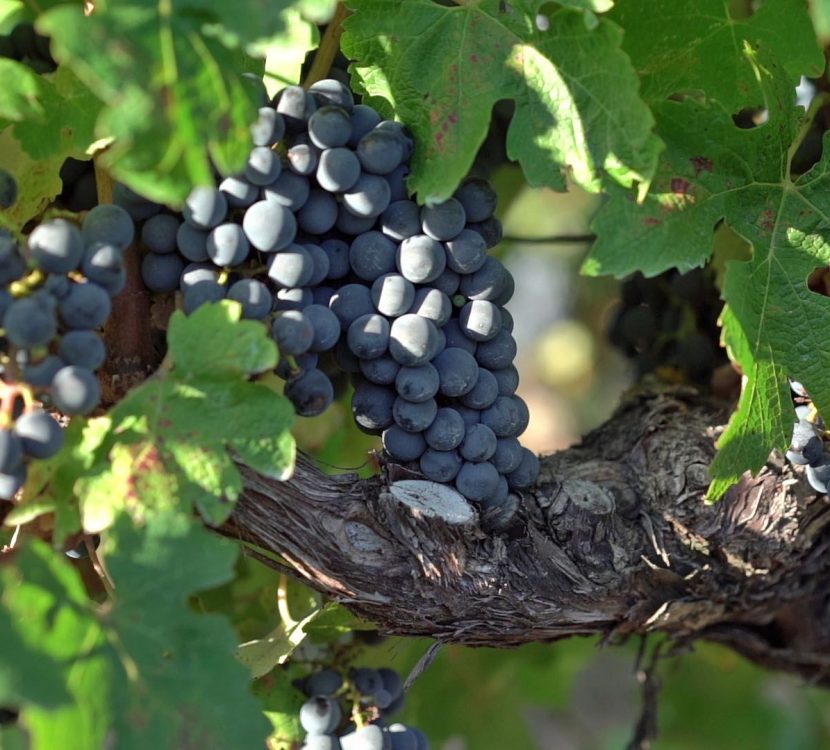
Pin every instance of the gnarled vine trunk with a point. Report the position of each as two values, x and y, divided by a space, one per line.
615 540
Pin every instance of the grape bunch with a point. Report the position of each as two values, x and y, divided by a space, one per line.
318 239
670 321
807 444
330 715
55 293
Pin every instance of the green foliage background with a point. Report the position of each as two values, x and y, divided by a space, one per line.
160 650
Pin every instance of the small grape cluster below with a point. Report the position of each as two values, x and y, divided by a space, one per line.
318 239
807 445
55 293
670 321
352 714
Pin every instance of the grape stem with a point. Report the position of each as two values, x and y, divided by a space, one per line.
328 49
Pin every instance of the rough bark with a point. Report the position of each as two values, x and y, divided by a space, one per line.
614 540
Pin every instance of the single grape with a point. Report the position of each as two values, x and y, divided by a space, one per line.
269 226
57 246
338 253
192 243
330 127
477 198
200 294
108 223
504 417
75 390
456 338
380 151
319 212
417 383
484 392
421 259
487 283
476 481
369 196
263 166
325 682
238 192
393 295
381 371
268 128
440 466
350 302
84 348
413 340
466 252
311 393
227 245
349 224
432 304
326 327
457 370
364 119
447 430
103 264
161 273
507 380
368 336
526 473
159 233
372 406
303 158
443 221
414 417
369 737
332 91
293 332
289 189
254 296
40 435
372 255
291 267
320 715
295 105
337 170
480 320
479 443
29 323
402 445
293 299
508 455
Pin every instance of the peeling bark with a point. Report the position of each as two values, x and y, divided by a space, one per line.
614 540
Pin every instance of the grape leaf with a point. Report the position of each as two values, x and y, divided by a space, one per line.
66 124
699 45
820 12
144 670
21 91
713 171
174 98
170 438
441 69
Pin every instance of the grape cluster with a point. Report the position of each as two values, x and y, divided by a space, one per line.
807 445
25 45
318 239
371 694
670 320
55 293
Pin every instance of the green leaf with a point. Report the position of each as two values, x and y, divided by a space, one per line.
143 670
714 171
169 439
694 45
281 702
441 70
213 341
38 180
21 91
53 118
174 98
66 125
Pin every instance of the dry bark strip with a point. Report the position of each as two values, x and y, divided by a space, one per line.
614 540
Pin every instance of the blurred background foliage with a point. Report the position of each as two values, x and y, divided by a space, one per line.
575 694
